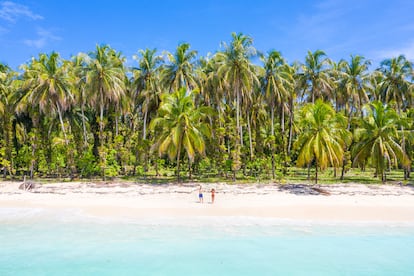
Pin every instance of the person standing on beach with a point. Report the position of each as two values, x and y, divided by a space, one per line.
213 191
200 194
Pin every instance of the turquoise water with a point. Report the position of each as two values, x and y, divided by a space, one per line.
38 242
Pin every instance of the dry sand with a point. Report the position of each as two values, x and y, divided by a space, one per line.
346 202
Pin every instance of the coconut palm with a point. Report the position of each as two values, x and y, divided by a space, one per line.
180 125
146 82
355 83
178 72
79 68
277 84
315 75
9 84
240 76
105 78
49 83
322 138
396 85
105 83
4 85
377 139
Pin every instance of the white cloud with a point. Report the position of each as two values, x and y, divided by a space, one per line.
406 50
11 11
44 37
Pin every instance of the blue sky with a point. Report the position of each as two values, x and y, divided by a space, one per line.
376 29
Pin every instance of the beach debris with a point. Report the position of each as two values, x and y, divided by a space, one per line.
27 186
303 189
321 191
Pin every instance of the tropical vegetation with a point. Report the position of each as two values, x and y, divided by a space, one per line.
236 113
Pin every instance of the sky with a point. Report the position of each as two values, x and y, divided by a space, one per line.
375 29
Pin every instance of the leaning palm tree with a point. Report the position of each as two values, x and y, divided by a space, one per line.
180 125
322 138
178 72
47 87
48 83
377 140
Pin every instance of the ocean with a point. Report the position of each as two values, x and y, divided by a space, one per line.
44 242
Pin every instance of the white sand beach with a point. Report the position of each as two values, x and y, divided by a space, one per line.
345 202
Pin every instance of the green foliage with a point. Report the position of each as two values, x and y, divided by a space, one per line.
222 114
377 140
112 167
87 164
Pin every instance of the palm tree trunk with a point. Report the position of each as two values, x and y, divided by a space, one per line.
62 124
33 161
116 124
34 148
7 132
284 146
282 120
85 135
101 113
272 131
144 132
313 94
250 136
178 160
344 161
239 127
290 127
101 134
316 172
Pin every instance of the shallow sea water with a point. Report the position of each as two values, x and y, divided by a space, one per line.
41 242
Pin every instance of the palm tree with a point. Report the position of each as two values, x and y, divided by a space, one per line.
354 82
146 82
105 85
180 125
79 72
105 78
239 74
323 137
277 84
378 139
179 71
396 84
316 76
9 84
48 83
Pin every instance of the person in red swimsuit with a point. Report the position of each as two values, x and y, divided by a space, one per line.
213 191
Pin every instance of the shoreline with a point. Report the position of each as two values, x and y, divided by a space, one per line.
345 203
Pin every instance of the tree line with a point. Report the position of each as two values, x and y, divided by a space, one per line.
226 113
